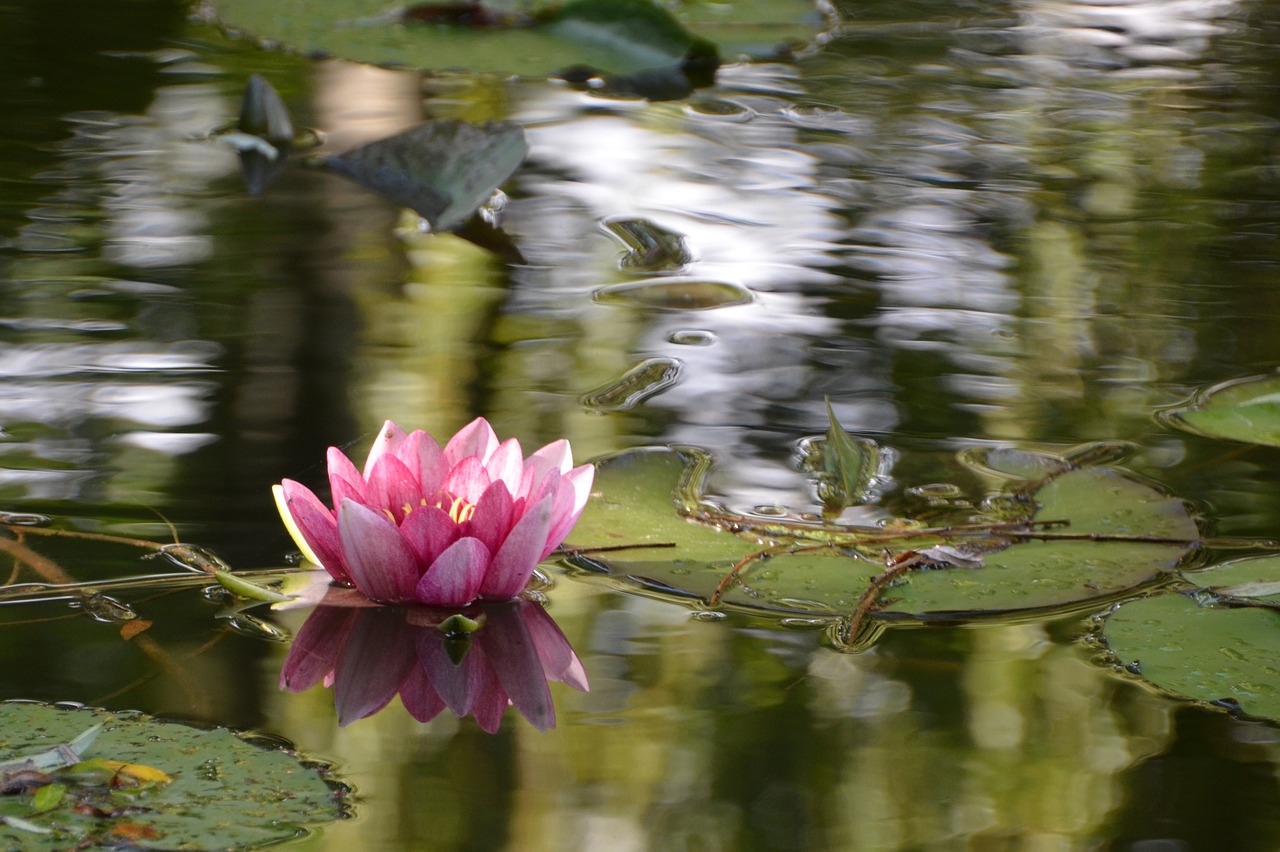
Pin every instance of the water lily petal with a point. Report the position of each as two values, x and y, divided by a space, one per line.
419 697
493 517
489 701
506 464
313 528
457 684
389 440
378 558
468 479
477 439
559 662
428 531
572 491
454 578
315 650
554 456
375 660
344 480
513 656
422 455
393 487
520 553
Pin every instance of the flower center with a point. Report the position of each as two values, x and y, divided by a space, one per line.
457 508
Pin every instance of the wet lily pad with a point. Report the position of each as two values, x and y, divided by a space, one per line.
1255 577
1208 652
1242 410
205 789
639 493
615 37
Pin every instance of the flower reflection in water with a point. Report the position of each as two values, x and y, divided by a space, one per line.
369 654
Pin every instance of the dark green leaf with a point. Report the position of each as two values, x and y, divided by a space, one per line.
225 792
1205 653
444 170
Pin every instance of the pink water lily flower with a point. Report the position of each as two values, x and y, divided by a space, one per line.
439 526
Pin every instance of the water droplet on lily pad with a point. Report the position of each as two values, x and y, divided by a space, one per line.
676 294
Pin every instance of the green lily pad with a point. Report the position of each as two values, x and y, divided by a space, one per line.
1206 653
614 36
1254 577
1245 410
643 498
215 790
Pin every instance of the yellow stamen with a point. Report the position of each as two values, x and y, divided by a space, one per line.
459 510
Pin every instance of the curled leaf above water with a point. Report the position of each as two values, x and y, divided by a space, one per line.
443 170
1245 410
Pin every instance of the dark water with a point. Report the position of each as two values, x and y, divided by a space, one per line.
1027 224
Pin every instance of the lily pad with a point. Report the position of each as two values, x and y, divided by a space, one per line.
205 789
1207 653
644 497
1255 577
619 36
1245 410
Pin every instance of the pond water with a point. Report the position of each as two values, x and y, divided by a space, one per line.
1026 224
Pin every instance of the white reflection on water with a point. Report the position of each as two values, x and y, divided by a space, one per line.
739 183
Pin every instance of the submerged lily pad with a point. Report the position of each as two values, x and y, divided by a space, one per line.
1242 410
677 294
207 789
639 493
1208 652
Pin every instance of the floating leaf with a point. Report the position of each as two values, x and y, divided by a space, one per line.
443 170
639 492
677 294
1251 577
224 791
636 44
1242 410
243 588
650 246
1206 653
646 379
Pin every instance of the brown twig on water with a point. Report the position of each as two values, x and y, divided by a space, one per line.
42 565
735 573
610 548
877 585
